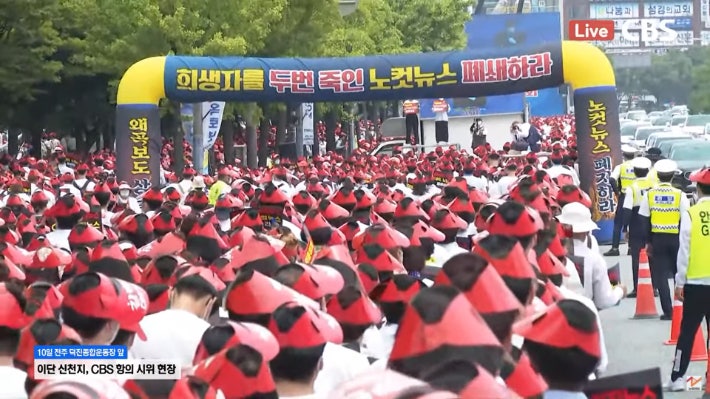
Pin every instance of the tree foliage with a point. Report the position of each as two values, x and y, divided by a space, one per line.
62 59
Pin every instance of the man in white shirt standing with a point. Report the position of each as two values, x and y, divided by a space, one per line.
176 332
590 264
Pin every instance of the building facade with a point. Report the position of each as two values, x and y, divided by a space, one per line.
688 18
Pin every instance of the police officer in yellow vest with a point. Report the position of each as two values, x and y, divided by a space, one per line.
655 155
632 202
622 176
221 186
661 208
692 281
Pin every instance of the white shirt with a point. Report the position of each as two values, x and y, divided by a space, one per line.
170 334
68 187
501 188
684 251
59 238
130 202
63 168
89 185
379 342
444 252
13 383
479 183
597 286
340 364
50 196
645 207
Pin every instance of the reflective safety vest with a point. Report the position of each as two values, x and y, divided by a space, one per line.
216 191
698 265
626 175
664 205
639 187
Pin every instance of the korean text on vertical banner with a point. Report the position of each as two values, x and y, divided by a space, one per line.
596 134
140 154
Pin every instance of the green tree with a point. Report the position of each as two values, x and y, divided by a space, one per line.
432 25
27 39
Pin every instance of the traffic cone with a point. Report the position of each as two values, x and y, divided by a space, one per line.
706 394
675 322
700 349
645 301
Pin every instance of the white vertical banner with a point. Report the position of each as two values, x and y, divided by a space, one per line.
307 123
212 112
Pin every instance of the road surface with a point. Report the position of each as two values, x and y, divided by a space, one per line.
638 344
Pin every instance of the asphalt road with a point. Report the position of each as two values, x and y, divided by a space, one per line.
635 345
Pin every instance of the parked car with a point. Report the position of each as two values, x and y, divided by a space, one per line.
695 124
653 139
642 133
690 156
388 147
666 143
678 120
628 130
637 115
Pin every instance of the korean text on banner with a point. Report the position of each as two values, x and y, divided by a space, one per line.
68 352
596 136
125 369
211 122
138 146
307 123
305 80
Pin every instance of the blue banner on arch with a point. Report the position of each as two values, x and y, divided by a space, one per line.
484 72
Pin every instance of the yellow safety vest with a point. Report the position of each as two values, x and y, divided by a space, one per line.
626 175
664 206
653 176
216 191
698 265
639 187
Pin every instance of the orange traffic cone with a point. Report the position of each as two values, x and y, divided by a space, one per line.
645 301
675 322
706 394
700 349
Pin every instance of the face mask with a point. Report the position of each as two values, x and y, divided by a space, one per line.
124 193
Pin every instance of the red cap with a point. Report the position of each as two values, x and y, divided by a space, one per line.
409 208
506 255
80 389
479 282
400 288
254 249
701 176
313 281
315 220
365 199
84 234
252 293
271 195
422 230
168 244
368 276
44 298
551 266
103 301
39 333
301 326
523 379
238 371
484 385
524 225
552 328
332 211
380 258
445 219
384 206
352 306
159 297
344 197
416 336
135 306
191 387
339 253
249 334
383 235
50 258
66 206
204 273
12 314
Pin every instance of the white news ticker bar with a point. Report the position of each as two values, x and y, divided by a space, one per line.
133 369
